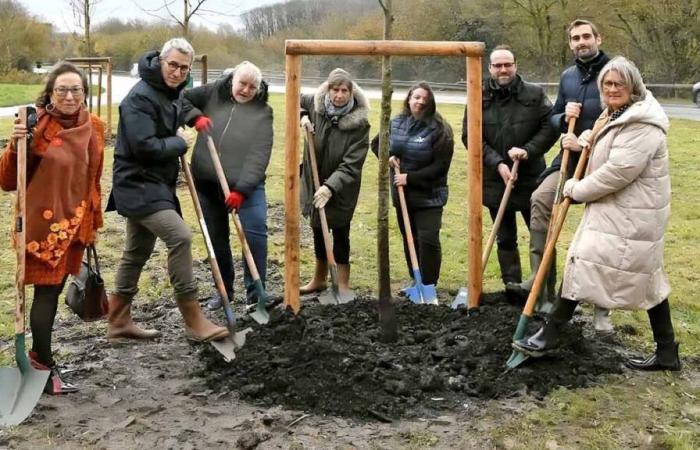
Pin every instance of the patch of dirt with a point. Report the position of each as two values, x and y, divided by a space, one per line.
330 360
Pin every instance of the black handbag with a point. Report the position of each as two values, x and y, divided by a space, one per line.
86 295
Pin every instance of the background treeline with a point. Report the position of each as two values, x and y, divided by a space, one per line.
662 36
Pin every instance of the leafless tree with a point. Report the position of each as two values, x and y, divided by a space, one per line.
83 12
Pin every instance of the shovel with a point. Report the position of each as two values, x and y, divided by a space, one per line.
260 314
518 357
234 341
333 295
418 292
20 388
462 298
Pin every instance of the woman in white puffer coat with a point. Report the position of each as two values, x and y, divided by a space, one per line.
616 257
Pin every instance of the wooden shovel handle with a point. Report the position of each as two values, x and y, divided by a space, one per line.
321 211
20 226
215 271
499 215
563 172
407 226
234 214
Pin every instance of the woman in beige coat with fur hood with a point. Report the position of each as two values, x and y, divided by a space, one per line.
616 257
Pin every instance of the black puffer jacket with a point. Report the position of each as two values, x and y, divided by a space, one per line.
577 84
242 133
146 154
516 116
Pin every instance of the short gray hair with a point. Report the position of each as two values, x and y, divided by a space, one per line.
248 68
179 44
630 75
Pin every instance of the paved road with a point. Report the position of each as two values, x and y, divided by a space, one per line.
121 85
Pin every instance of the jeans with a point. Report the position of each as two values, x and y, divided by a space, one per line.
253 216
141 234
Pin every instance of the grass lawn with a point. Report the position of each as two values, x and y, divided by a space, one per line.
645 410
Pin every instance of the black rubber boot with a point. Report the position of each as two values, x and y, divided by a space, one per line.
666 355
511 271
547 337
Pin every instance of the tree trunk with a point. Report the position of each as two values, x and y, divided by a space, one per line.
387 312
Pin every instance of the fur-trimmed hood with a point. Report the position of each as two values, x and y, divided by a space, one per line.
358 117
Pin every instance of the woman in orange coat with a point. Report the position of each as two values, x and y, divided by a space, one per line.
64 165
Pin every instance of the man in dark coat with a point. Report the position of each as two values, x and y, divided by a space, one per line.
516 126
146 164
579 98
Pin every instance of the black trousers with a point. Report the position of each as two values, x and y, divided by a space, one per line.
507 235
425 225
341 244
42 317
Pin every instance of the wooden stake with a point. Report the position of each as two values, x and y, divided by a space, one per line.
291 182
474 162
379 48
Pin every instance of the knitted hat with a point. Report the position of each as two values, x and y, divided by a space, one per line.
339 76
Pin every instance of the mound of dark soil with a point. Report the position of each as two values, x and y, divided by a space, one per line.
330 359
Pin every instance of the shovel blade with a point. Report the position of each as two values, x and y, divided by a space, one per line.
260 315
19 393
328 297
422 294
346 297
462 299
516 358
228 345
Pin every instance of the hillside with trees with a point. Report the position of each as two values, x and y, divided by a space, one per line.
663 37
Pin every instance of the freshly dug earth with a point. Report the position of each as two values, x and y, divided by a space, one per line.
331 360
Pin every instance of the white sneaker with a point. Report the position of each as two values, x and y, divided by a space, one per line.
601 320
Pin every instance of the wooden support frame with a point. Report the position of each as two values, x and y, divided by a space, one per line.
294 50
100 64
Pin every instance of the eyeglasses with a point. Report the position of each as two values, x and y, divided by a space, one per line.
173 66
62 91
609 84
503 65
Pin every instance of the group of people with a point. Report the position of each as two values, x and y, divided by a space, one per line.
614 261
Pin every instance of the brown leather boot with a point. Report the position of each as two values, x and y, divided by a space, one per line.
197 326
120 324
318 283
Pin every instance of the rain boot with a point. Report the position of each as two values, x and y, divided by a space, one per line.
537 243
547 337
318 283
55 384
197 327
509 261
520 291
601 320
120 325
666 355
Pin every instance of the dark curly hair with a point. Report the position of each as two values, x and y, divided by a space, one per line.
59 69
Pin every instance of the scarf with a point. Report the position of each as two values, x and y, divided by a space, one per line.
336 112
57 194
66 120
618 113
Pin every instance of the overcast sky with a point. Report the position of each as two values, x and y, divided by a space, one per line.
59 13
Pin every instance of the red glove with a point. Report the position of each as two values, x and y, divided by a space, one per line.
234 200
203 124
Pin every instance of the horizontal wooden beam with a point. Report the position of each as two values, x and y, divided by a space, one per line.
383 48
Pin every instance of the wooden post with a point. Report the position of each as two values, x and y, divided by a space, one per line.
291 182
109 98
205 69
474 165
294 48
99 90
